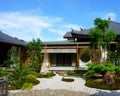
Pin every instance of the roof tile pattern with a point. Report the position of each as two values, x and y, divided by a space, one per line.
4 38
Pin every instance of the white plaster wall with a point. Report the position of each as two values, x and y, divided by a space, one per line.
83 64
103 54
73 64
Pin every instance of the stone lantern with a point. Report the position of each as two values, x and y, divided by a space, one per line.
3 87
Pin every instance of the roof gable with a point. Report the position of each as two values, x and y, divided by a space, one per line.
115 26
4 38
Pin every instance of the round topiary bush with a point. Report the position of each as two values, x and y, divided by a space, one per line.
85 55
27 86
30 78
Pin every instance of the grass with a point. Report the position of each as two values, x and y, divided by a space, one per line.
103 85
48 75
75 73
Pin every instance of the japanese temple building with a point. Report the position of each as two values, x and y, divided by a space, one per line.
59 55
66 55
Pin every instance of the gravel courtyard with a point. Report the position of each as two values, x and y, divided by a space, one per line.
55 87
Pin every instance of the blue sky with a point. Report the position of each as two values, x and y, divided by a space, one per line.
49 20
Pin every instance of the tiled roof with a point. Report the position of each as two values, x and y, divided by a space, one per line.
67 35
8 39
115 26
83 32
65 42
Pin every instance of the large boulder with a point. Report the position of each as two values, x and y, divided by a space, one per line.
109 77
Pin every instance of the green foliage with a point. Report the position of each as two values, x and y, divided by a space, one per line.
100 68
34 52
85 54
70 72
48 75
100 36
101 27
20 75
30 78
14 58
27 86
110 36
101 24
33 73
95 36
114 57
91 68
17 77
75 73
3 72
102 85
117 70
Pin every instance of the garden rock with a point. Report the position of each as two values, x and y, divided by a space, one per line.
109 77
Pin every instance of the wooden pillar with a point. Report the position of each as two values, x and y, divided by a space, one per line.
44 60
77 51
44 68
49 60
79 56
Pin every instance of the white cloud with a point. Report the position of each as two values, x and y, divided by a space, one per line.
104 15
74 26
25 26
111 15
57 31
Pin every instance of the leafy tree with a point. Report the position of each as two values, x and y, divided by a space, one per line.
13 59
95 36
34 53
100 35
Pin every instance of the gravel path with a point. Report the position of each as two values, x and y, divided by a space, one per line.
55 87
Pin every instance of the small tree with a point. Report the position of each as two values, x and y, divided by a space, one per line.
100 35
14 58
95 37
34 53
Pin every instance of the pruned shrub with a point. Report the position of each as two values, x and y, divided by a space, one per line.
30 78
3 72
100 68
27 86
85 54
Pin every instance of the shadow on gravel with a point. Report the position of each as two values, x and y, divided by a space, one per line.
110 93
49 92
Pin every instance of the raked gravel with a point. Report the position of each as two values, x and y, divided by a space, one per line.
55 87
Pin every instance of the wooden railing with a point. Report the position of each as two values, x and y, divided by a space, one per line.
3 87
